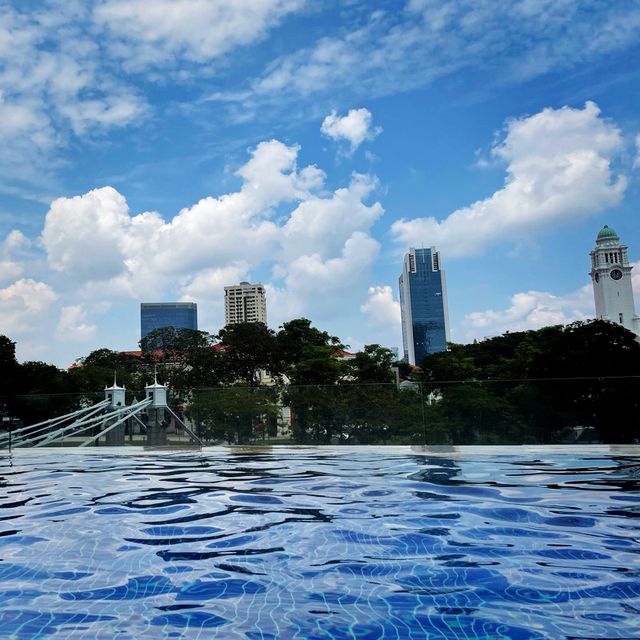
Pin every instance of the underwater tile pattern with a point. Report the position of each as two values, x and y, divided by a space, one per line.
339 542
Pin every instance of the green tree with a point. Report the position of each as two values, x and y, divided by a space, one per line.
537 385
373 364
306 355
99 368
183 358
457 363
8 365
306 358
236 414
247 348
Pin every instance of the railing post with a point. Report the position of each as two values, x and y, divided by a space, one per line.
424 419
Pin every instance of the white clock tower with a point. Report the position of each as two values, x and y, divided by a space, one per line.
611 277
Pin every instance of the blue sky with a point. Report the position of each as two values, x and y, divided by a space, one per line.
156 150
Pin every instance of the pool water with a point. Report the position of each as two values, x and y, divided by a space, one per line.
339 542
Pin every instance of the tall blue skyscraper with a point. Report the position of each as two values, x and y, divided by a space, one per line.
158 315
423 305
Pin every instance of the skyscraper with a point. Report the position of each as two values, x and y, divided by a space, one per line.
245 302
423 305
158 315
611 278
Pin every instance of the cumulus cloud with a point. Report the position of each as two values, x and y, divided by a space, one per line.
530 310
558 170
537 309
310 275
322 225
324 241
22 305
150 32
83 235
93 237
206 288
381 309
10 267
355 127
321 287
73 324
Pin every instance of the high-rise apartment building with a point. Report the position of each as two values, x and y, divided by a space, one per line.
158 315
611 278
423 305
245 302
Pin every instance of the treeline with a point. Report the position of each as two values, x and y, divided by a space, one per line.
298 354
581 380
233 362
556 384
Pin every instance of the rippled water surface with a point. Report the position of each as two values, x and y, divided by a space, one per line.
320 543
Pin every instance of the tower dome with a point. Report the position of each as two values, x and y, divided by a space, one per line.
607 233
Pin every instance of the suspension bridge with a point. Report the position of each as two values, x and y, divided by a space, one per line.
108 418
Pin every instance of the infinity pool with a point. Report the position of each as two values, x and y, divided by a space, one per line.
359 542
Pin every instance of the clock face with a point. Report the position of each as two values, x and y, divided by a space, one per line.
616 274
596 277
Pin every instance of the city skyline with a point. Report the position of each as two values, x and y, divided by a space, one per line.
308 148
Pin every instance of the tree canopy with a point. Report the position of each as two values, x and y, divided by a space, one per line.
547 385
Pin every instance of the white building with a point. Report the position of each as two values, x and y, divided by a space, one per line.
611 277
245 302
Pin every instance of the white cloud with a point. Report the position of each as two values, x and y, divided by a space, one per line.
322 225
558 170
382 313
93 239
536 309
530 310
84 235
10 268
323 287
635 283
311 276
395 51
381 309
109 111
73 324
206 288
22 306
355 127
636 162
152 32
54 82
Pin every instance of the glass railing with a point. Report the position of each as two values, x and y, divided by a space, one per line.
493 412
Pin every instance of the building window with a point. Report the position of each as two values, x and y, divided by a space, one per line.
621 318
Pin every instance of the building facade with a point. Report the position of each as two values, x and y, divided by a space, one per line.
245 302
158 315
611 279
423 305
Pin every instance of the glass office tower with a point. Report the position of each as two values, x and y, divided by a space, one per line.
158 315
423 305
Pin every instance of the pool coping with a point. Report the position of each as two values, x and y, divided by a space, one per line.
431 450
